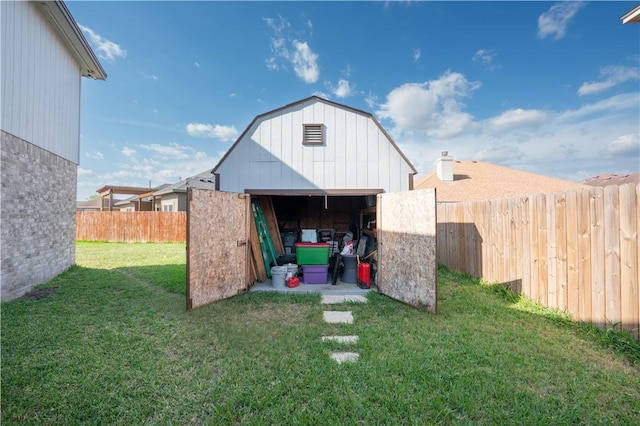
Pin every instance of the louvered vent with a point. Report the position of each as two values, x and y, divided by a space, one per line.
312 134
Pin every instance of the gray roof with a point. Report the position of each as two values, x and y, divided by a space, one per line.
203 179
134 198
94 203
607 179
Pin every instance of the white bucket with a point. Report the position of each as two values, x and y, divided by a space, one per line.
292 269
278 274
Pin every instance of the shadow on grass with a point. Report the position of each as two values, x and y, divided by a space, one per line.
612 336
171 278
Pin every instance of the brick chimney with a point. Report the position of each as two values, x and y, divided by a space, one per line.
444 167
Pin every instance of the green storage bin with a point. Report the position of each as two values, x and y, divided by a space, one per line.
312 253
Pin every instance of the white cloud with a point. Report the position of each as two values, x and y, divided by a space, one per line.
432 107
197 64
294 51
97 155
600 137
499 153
321 94
305 62
82 172
106 49
486 59
371 99
171 151
553 23
124 174
149 76
416 54
128 152
223 133
342 90
271 64
152 162
625 145
610 76
518 117
277 42
601 108
429 117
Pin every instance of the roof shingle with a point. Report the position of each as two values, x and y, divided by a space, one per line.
475 180
613 179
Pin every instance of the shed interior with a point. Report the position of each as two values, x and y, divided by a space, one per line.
324 219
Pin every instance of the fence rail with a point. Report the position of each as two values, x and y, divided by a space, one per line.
152 227
575 251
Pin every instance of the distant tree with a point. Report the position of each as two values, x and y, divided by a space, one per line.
93 197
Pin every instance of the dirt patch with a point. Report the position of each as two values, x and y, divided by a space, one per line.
40 293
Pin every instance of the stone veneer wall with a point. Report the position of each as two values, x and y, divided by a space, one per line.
37 214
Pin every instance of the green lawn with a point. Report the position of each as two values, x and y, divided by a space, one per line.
114 345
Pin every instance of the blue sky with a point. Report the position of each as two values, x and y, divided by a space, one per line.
547 87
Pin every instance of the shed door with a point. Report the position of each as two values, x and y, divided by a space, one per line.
407 266
217 245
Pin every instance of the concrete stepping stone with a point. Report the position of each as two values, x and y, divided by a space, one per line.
340 339
341 357
338 317
336 298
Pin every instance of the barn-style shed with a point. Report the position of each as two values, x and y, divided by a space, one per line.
321 165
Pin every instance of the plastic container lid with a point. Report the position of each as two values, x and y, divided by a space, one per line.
324 245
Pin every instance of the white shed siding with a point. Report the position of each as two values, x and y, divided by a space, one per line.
356 153
40 82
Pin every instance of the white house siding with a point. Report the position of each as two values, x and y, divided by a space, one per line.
178 202
356 154
40 82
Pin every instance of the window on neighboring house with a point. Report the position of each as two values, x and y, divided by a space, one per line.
167 207
312 134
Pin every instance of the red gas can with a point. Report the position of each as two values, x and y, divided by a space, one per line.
364 275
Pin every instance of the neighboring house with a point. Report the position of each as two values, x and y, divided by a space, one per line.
632 17
44 57
141 199
93 205
173 198
613 179
135 204
457 181
166 197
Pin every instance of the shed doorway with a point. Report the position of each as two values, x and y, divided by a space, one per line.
336 220
221 259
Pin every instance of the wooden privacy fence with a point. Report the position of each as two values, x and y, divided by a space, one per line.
575 251
132 227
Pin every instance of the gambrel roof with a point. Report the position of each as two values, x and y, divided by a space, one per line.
301 102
